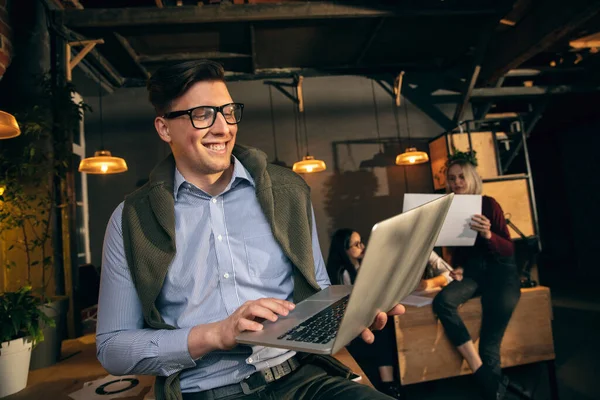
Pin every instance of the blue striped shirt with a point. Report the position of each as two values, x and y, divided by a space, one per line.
226 255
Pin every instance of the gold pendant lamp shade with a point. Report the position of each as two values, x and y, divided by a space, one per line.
102 163
8 126
309 165
412 157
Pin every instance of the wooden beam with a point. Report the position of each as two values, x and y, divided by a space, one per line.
586 42
76 4
159 3
122 17
517 92
480 52
466 95
190 56
88 45
549 22
132 53
300 93
369 41
116 79
398 88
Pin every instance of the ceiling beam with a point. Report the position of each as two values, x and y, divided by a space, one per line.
516 92
213 55
132 53
122 17
467 91
549 22
369 42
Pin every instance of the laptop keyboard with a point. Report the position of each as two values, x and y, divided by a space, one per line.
321 327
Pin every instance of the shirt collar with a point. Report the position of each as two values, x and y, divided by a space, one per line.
239 173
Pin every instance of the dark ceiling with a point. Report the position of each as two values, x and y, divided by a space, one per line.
516 47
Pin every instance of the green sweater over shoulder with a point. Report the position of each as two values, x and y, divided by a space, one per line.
149 234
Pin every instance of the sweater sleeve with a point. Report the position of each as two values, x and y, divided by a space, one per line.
500 243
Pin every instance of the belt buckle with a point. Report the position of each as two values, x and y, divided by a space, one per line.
253 383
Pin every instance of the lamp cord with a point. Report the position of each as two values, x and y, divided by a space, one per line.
376 116
100 110
296 122
407 123
305 130
273 122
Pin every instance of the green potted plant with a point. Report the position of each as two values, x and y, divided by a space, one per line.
21 321
29 166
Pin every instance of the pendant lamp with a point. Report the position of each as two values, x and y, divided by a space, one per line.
103 161
411 156
8 126
308 164
276 161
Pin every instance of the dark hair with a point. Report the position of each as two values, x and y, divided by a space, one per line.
171 82
338 260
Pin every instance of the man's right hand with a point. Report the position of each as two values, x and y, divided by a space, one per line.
247 317
221 335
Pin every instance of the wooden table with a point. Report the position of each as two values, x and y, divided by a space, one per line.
79 365
426 354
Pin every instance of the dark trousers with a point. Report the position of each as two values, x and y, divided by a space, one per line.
498 284
382 352
310 382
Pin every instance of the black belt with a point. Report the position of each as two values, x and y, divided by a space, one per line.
255 382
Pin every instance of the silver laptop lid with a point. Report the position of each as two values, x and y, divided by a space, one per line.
394 262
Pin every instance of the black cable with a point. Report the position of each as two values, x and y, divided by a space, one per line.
296 122
376 116
273 122
100 110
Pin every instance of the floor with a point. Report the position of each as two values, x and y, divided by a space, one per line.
576 325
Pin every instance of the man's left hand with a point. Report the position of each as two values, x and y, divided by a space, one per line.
380 321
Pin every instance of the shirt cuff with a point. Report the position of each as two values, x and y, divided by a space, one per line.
173 351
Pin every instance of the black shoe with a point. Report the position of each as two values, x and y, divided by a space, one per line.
392 389
492 385
516 388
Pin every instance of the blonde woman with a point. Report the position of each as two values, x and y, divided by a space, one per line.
486 269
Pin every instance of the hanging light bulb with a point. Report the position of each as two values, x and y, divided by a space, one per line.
412 157
8 126
308 164
103 161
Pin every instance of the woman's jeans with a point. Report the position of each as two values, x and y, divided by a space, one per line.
497 281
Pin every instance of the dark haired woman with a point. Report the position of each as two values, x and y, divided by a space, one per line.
345 255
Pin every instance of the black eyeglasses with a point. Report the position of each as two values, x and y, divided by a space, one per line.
358 245
203 117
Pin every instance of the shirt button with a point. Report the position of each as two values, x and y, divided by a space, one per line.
225 275
214 200
220 238
249 360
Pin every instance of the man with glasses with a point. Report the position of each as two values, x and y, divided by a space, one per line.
217 241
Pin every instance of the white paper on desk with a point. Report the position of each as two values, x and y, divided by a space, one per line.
456 230
110 384
416 301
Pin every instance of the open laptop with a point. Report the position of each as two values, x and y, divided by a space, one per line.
394 262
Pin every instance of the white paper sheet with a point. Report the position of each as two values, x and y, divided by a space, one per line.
456 230
416 301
